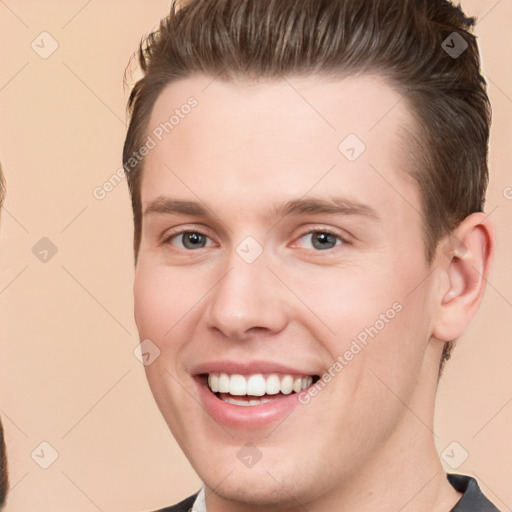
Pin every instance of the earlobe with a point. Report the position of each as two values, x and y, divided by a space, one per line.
465 259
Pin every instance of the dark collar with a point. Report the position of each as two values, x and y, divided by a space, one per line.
472 498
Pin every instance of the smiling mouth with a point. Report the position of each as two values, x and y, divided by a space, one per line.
256 389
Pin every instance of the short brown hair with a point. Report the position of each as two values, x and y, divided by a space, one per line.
406 41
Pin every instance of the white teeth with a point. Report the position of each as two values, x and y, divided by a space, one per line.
213 382
272 385
237 385
256 401
306 382
287 385
257 385
223 383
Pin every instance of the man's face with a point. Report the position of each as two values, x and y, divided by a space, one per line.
298 253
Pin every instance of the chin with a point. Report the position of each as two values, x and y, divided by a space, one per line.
258 490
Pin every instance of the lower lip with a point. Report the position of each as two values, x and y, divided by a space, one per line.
251 416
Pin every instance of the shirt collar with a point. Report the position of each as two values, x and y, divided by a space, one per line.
200 502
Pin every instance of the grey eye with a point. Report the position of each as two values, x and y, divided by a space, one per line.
321 240
191 240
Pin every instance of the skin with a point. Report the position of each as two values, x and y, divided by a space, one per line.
366 441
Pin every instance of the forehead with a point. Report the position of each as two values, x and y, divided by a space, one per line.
271 138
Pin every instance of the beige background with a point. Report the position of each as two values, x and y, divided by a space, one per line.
68 375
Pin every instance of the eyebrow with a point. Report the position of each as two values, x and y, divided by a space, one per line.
311 206
332 206
170 206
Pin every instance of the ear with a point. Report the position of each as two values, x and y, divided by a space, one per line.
465 259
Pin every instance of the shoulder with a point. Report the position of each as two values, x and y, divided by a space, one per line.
182 506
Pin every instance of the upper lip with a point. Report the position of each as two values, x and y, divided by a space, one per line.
248 368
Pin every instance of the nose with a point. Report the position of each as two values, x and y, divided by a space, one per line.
247 300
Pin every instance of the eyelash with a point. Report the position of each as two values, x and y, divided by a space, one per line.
328 231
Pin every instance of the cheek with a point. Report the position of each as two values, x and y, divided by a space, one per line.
156 305
368 311
162 299
149 301
345 300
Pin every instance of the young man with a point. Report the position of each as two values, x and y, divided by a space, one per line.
308 180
